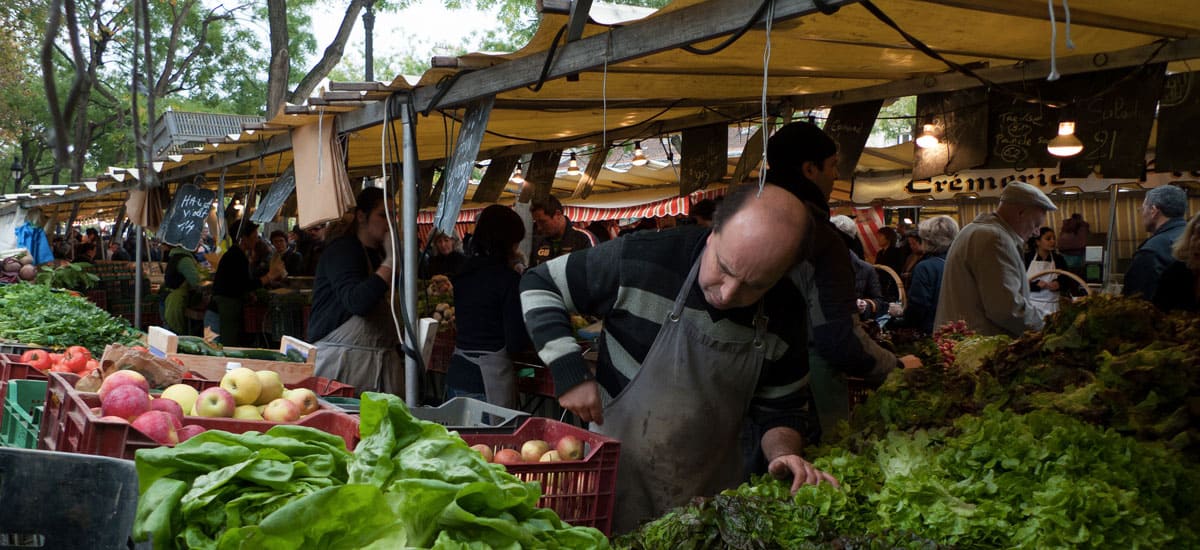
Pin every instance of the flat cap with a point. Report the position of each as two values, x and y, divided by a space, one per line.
1017 192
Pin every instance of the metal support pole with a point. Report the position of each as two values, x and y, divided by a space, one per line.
137 279
408 217
1110 245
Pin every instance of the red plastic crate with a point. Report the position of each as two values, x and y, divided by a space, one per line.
255 318
580 491
11 368
324 387
69 426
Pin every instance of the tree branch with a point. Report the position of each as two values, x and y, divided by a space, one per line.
332 56
277 75
56 111
191 56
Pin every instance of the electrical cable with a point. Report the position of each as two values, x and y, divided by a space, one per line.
537 86
765 126
733 37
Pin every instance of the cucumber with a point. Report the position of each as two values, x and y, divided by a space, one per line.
296 356
263 354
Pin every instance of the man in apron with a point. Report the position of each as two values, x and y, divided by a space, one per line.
699 334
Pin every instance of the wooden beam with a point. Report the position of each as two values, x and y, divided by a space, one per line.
272 145
495 178
1034 10
588 179
540 176
578 19
1032 71
654 128
688 25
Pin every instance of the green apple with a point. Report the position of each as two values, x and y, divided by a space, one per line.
247 412
243 385
183 394
272 386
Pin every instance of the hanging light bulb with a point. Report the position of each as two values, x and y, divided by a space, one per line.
573 166
1065 144
639 156
517 178
928 137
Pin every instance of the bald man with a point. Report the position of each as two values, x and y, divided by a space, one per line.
699 334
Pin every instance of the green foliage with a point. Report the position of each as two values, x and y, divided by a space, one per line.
41 316
896 120
997 480
72 276
408 484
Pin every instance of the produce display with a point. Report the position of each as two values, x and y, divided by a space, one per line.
1081 435
194 345
567 447
17 268
76 359
408 484
41 316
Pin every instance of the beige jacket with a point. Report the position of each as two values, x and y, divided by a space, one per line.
984 282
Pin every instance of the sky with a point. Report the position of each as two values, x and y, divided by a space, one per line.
416 30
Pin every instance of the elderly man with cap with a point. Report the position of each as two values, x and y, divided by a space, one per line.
1162 216
984 283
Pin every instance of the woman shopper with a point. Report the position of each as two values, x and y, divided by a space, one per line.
181 283
351 322
1042 256
936 235
487 305
1179 287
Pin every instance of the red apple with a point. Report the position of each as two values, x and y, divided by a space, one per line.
485 450
159 426
508 457
281 410
170 407
187 432
121 378
127 401
303 398
215 402
569 447
113 419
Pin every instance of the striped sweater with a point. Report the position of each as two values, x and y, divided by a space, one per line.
632 282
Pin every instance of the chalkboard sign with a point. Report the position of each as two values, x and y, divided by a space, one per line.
185 220
1018 132
1177 148
850 126
960 122
278 194
1114 127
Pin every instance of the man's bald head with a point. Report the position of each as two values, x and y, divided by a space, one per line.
756 238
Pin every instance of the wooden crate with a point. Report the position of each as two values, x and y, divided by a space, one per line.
213 368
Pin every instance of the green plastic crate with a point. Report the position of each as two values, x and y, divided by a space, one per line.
22 413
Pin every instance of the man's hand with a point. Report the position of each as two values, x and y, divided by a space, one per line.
802 472
584 401
911 361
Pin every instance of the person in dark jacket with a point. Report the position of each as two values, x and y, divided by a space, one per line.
1179 287
446 256
352 321
937 234
1162 216
233 282
487 305
803 161
869 294
554 234
1072 242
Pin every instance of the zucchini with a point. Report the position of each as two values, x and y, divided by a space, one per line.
263 354
296 356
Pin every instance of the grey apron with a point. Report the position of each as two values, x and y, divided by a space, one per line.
362 352
680 417
499 376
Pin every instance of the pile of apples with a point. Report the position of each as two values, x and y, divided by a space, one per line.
246 394
568 447
125 397
243 394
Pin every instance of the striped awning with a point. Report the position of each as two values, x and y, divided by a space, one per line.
619 206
